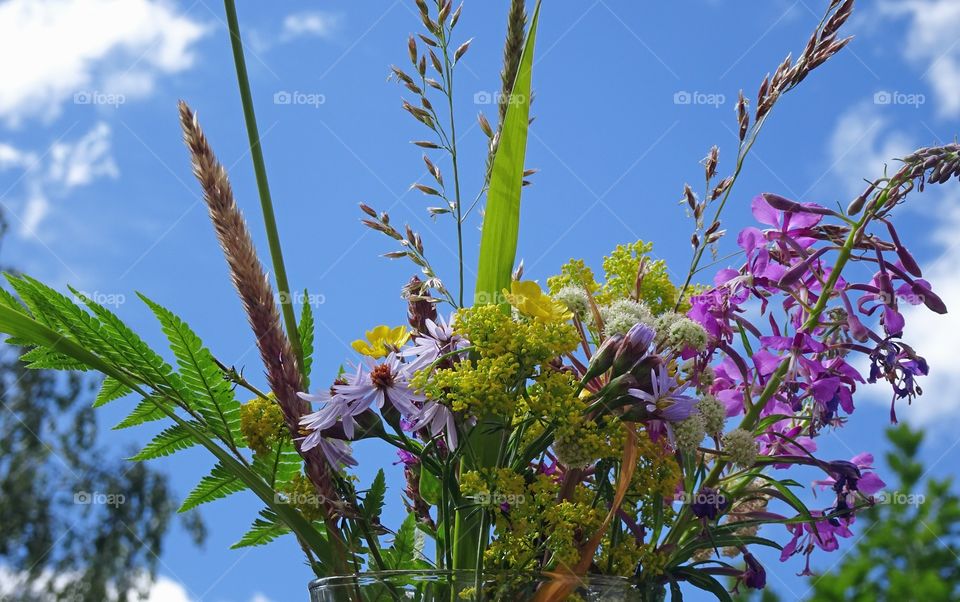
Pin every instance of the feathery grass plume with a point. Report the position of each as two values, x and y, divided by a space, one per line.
512 51
255 292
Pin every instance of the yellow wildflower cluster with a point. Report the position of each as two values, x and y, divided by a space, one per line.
529 520
655 479
302 495
620 268
578 440
507 352
261 422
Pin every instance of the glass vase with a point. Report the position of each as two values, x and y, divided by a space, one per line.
466 586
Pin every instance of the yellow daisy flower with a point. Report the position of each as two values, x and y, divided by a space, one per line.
381 340
530 300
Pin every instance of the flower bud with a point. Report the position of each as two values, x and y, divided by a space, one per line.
754 575
633 348
603 358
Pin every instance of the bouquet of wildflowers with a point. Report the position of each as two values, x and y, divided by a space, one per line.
592 426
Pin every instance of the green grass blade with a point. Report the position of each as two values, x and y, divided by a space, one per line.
501 222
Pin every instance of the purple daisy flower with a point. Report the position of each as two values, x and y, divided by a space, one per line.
666 400
338 453
439 339
379 384
438 418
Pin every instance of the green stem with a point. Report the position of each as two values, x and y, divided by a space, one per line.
263 188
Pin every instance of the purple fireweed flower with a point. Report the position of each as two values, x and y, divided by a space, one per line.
849 478
784 439
406 458
794 225
821 534
754 576
899 365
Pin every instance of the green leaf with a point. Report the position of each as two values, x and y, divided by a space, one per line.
373 501
46 359
31 331
110 390
171 440
280 465
430 487
306 331
218 484
12 302
264 530
150 409
402 553
201 374
706 582
501 222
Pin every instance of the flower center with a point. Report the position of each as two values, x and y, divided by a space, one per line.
382 377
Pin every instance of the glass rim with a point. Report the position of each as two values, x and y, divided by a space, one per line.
372 577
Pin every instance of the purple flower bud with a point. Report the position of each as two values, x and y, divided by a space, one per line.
633 348
796 272
909 263
603 358
782 204
933 301
754 575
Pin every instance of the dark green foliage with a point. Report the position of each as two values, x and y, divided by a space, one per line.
66 506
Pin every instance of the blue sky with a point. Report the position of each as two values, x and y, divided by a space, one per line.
97 188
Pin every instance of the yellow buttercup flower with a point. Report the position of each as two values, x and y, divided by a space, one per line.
530 300
381 340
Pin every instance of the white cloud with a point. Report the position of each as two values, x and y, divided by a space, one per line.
932 335
861 145
56 49
65 167
13 583
258 597
932 44
310 23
